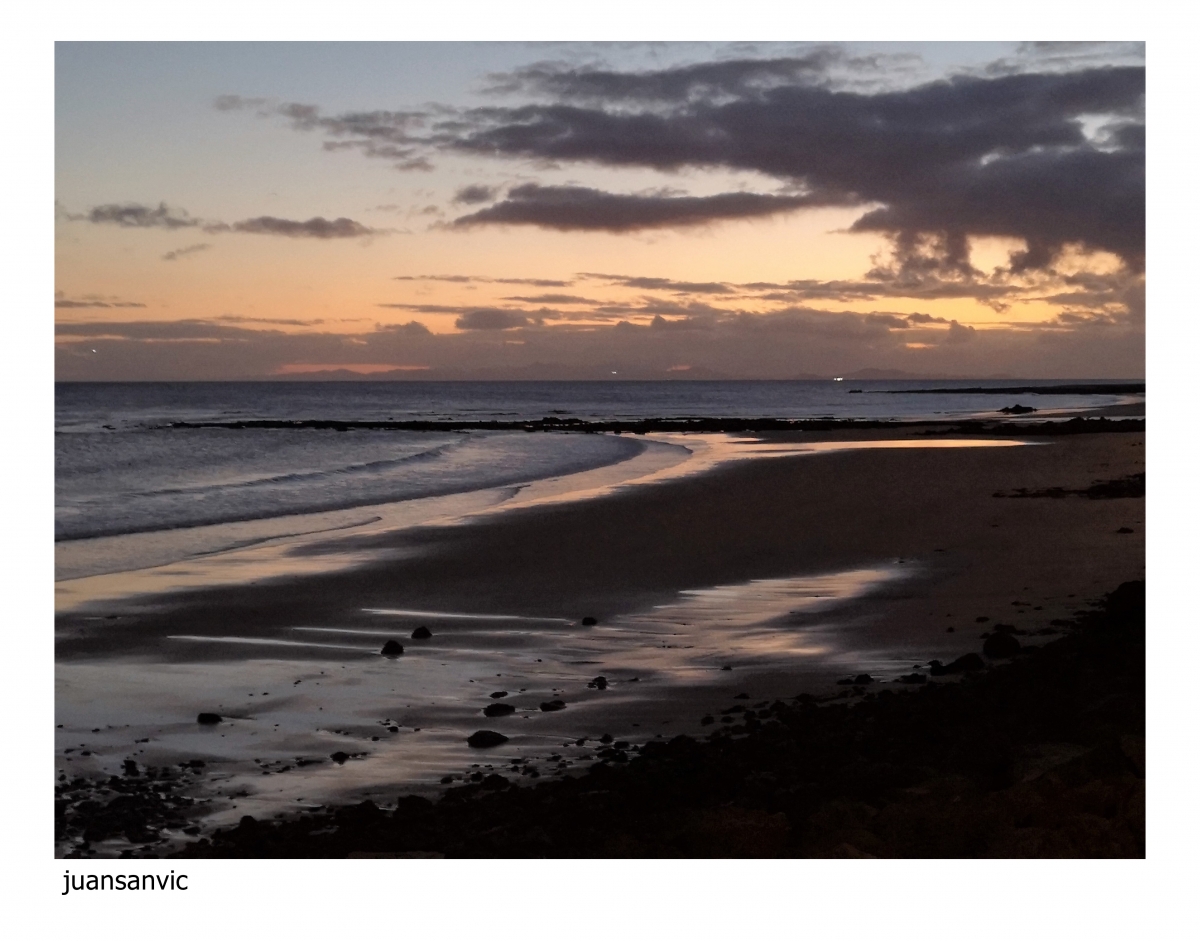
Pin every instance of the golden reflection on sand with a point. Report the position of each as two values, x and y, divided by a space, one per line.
407 718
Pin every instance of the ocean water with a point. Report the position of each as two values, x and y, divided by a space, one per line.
120 469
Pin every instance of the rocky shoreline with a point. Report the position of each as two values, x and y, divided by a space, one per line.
1038 754
1076 425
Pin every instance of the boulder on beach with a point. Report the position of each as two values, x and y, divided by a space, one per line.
485 738
588 622
554 705
1000 646
965 663
599 682
422 633
339 756
208 718
1018 410
499 709
863 679
499 694
392 649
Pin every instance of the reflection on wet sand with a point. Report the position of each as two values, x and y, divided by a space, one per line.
405 720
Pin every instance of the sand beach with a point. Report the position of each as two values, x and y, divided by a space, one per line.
753 581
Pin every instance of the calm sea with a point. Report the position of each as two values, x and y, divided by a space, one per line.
120 469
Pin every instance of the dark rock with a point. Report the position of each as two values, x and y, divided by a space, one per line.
606 739
485 738
494 782
999 646
982 619
863 679
554 705
707 720
499 709
208 718
588 622
422 633
392 649
1124 530
499 694
131 767
913 678
965 663
339 757
726 667
742 696
599 682
1018 410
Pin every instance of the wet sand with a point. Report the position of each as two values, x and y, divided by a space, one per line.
914 545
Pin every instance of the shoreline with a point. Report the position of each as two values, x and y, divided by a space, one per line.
601 558
1072 422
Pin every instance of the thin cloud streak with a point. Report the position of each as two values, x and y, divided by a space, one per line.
138 216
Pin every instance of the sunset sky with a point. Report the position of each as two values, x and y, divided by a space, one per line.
544 210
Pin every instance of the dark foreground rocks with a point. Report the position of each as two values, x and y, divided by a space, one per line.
1043 755
485 738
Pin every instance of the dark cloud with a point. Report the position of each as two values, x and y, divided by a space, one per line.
185 251
925 318
238 103
970 155
491 319
475 194
62 302
705 80
960 333
569 208
382 134
314 228
661 284
137 216
1002 152
412 328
